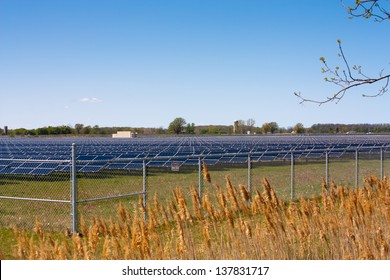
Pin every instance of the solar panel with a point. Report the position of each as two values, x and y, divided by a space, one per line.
86 157
15 153
156 163
41 171
116 166
132 166
211 161
90 168
24 171
49 165
239 159
30 164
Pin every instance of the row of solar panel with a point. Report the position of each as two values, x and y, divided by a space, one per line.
91 166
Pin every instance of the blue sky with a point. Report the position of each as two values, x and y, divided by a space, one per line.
143 63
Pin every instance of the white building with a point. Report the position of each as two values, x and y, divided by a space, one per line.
124 134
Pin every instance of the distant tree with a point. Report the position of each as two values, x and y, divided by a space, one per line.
250 124
177 125
95 130
348 77
79 128
160 130
32 132
20 131
190 129
270 127
299 128
87 129
42 131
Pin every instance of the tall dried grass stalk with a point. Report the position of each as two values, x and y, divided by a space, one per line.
206 173
342 223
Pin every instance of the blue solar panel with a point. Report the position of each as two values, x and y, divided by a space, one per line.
64 168
267 158
156 163
22 171
50 165
239 159
211 161
86 157
192 162
110 151
116 166
29 164
41 171
315 155
90 168
134 166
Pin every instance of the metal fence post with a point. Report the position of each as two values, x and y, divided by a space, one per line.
200 179
74 191
381 164
327 168
356 168
249 174
144 185
292 175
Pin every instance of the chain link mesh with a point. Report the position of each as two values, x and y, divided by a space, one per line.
25 198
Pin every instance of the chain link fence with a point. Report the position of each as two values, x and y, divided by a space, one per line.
83 189
26 197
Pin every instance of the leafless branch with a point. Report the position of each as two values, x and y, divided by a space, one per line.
349 79
367 9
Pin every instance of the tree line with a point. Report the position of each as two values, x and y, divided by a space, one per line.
180 126
350 128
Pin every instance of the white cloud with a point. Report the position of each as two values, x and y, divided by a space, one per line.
90 100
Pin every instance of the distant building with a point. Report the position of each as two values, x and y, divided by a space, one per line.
125 134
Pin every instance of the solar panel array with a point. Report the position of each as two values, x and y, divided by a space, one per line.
41 156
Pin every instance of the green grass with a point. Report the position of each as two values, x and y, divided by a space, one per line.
7 244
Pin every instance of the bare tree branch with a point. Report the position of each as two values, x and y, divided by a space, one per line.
367 9
349 79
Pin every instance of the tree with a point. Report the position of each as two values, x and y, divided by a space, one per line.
348 77
270 127
177 125
250 124
299 128
78 127
368 9
190 129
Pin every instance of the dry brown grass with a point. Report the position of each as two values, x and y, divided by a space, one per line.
343 223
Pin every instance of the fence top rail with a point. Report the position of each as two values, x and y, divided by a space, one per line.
59 161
